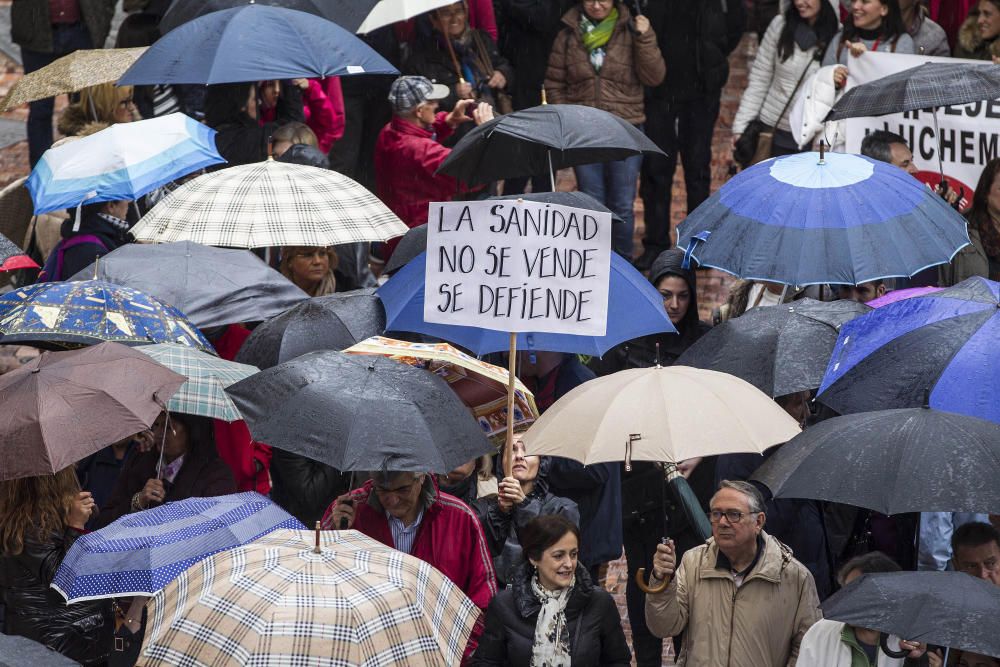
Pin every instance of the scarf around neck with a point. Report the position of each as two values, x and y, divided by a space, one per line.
596 35
551 647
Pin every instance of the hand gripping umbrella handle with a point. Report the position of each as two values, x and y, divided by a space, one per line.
883 642
640 579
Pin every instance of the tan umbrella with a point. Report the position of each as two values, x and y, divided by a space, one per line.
280 600
71 73
660 414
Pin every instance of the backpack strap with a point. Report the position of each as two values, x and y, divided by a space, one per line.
53 268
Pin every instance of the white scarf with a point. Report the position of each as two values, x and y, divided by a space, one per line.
551 648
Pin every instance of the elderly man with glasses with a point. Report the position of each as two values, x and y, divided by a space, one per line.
740 599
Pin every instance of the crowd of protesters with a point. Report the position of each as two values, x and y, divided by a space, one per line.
530 548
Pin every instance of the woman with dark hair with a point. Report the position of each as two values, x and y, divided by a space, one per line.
42 517
182 463
552 614
977 38
790 52
231 109
982 256
872 25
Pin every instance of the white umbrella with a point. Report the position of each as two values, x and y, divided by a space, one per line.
387 12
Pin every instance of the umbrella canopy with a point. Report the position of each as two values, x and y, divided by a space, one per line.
348 14
18 651
942 343
204 392
121 162
140 553
924 87
254 43
779 350
387 12
481 385
659 414
333 322
16 210
542 139
900 294
635 309
63 406
892 461
360 413
78 70
808 219
12 257
212 286
269 204
62 314
943 608
278 602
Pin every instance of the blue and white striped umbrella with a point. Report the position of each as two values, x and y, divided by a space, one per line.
122 162
141 553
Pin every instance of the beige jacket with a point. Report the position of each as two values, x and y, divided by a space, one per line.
761 624
968 262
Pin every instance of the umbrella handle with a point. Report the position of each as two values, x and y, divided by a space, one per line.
883 642
640 581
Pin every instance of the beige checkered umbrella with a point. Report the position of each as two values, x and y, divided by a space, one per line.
71 73
277 601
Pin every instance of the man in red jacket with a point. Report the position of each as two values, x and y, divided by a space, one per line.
408 512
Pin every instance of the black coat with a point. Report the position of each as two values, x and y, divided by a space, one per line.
595 627
527 29
303 487
79 257
81 631
31 26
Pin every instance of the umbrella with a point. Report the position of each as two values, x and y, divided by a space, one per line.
943 608
332 322
16 210
348 14
900 294
635 309
212 286
779 350
63 406
283 601
481 385
387 12
659 414
63 314
73 72
254 43
811 218
414 241
360 413
543 138
942 343
270 204
140 553
207 378
16 651
892 461
12 257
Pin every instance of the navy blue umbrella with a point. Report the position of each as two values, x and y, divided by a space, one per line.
810 219
254 43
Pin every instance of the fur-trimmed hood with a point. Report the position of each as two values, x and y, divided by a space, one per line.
972 45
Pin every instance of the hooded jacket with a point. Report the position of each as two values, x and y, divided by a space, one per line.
971 45
79 257
760 623
596 638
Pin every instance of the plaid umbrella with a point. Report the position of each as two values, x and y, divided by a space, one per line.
278 602
12 257
204 392
270 204
78 70
68 314
141 553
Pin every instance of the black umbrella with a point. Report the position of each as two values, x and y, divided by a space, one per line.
334 322
543 139
779 350
414 241
18 651
943 608
360 413
212 286
348 14
892 461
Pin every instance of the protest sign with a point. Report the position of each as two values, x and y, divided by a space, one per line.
969 132
518 266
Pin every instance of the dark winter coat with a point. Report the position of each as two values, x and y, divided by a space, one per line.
81 631
527 30
970 45
79 257
631 62
696 39
304 487
595 626
31 27
241 139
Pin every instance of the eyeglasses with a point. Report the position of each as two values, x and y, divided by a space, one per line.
399 490
732 516
126 102
595 3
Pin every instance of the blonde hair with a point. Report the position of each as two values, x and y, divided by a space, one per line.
32 507
326 286
295 133
99 102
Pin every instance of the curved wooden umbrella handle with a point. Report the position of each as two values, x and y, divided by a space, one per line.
640 581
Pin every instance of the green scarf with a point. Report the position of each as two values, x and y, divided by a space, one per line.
596 35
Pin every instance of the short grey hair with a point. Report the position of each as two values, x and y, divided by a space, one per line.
754 497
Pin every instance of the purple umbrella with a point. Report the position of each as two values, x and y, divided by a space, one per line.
900 294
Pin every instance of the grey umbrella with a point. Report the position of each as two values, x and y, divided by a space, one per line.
22 652
892 461
944 608
212 286
781 349
360 413
334 322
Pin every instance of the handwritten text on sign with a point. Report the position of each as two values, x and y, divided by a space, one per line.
518 266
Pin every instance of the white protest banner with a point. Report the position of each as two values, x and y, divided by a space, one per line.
518 265
968 132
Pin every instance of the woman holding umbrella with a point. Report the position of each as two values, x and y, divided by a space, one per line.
311 269
603 58
102 105
872 25
42 518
